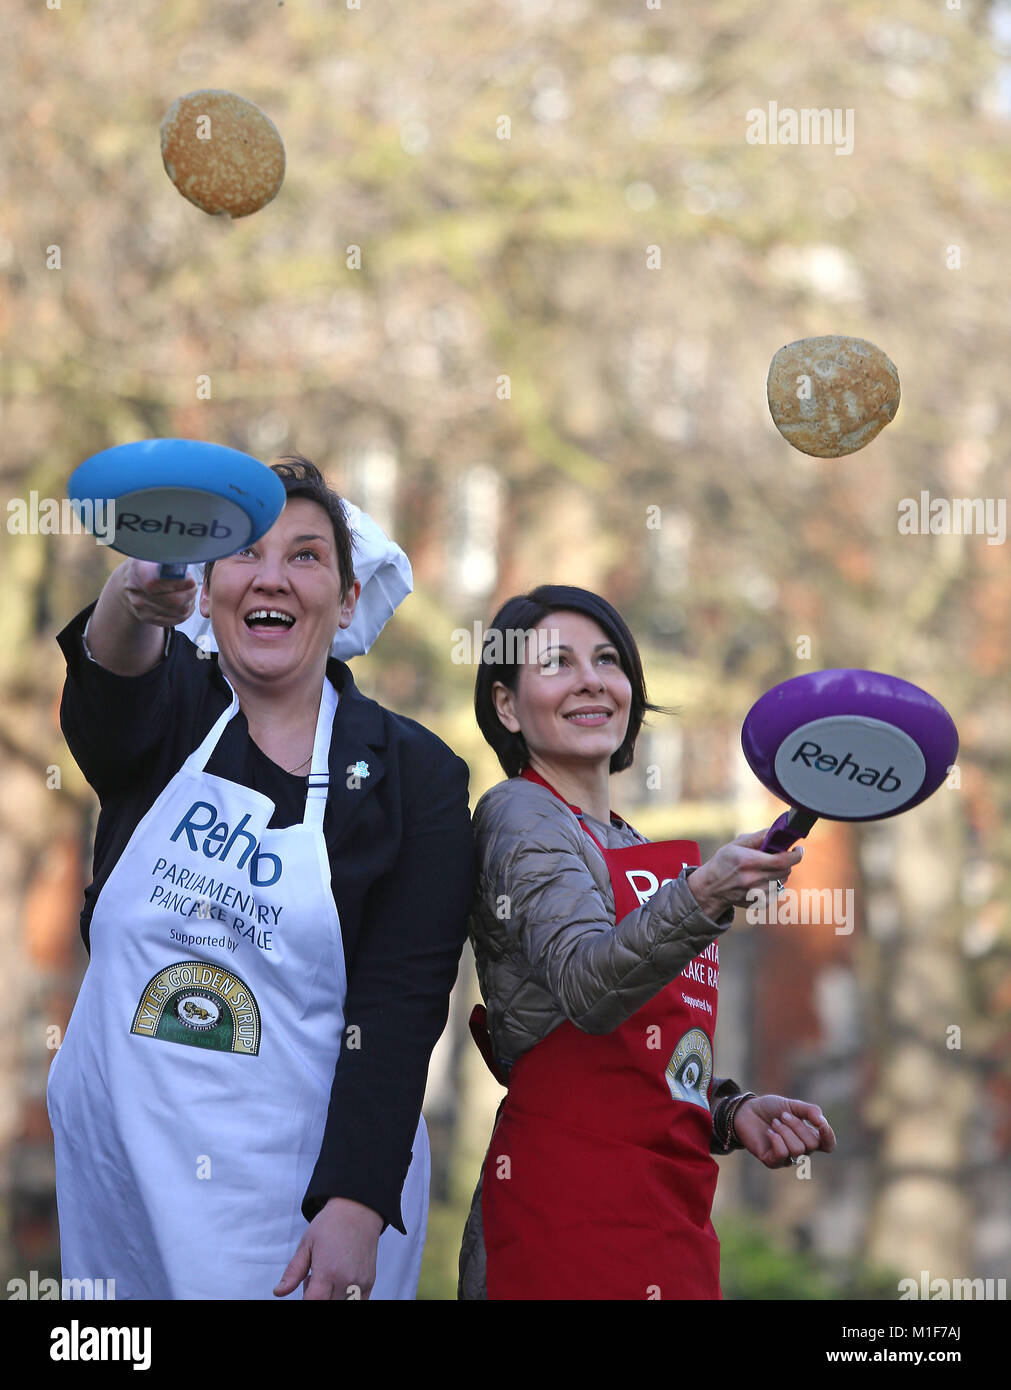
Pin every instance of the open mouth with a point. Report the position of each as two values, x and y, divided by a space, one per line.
600 717
272 620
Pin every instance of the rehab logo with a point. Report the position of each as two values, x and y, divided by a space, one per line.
173 523
219 839
850 767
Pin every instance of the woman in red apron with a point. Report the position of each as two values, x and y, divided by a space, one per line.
599 1179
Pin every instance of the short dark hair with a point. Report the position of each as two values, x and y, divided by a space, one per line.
501 658
301 478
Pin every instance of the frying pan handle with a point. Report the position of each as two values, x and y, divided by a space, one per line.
792 825
172 572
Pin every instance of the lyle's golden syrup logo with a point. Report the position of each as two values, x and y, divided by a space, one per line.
192 1012
690 1068
199 1005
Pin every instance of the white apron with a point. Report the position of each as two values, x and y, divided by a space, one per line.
189 1096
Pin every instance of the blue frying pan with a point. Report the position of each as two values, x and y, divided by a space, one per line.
181 501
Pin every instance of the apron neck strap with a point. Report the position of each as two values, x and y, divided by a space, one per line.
532 776
319 773
197 760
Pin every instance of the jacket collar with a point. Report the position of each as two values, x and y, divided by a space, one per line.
358 717
359 732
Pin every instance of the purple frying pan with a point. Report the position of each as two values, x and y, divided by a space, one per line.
846 745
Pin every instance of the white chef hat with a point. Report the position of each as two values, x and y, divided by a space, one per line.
386 578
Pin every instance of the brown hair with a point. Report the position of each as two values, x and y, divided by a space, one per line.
301 478
501 662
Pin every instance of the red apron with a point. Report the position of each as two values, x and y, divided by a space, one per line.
598 1182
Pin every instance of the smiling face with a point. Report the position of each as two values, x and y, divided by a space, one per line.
276 605
572 701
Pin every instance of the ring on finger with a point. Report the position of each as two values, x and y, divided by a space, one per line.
780 886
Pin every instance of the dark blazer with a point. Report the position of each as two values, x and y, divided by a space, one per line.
402 873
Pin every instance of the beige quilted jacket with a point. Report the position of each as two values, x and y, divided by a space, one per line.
546 945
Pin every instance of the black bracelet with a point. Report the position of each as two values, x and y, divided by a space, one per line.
723 1120
719 1130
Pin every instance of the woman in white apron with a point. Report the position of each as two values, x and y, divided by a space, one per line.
189 1097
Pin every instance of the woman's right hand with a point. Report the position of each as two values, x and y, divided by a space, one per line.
151 599
736 870
124 632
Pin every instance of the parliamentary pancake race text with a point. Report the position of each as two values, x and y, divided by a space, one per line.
190 893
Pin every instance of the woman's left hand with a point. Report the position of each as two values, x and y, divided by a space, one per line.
777 1130
336 1256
